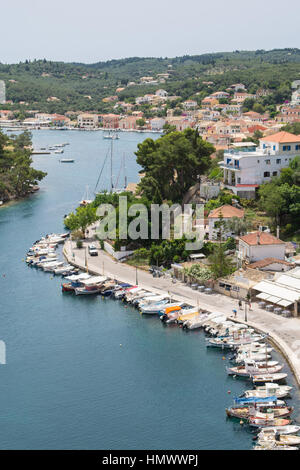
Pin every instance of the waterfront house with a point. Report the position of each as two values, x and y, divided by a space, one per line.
128 122
110 121
256 246
245 170
157 124
87 120
225 212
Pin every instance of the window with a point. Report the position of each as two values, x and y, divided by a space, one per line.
266 174
257 161
267 162
297 147
274 173
286 148
278 161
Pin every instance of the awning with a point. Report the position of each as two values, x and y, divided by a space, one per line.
284 303
278 290
274 299
263 296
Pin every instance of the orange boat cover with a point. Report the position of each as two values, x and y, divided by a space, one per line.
172 309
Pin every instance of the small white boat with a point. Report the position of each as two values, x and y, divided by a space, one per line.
269 378
269 390
278 439
255 347
242 357
42 262
63 269
67 160
59 151
289 429
152 299
159 307
48 267
254 368
89 290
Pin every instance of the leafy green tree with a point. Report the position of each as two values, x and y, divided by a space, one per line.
84 216
173 162
237 225
17 176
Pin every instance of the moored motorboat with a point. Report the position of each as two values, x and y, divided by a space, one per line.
93 285
264 421
253 368
268 390
256 379
282 430
279 439
245 412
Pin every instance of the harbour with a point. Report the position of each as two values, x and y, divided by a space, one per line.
75 375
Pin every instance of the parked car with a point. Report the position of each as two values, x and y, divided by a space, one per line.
93 250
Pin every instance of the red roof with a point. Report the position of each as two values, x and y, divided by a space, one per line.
281 137
260 238
267 261
227 212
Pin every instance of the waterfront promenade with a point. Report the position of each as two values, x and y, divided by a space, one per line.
284 332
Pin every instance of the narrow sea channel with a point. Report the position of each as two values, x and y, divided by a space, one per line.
86 372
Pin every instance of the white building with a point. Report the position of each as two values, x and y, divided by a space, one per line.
161 93
2 92
283 291
227 212
87 120
190 104
157 124
295 97
245 170
256 246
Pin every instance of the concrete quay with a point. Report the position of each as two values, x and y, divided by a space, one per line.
283 332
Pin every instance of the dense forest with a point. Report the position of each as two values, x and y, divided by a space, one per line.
17 177
83 86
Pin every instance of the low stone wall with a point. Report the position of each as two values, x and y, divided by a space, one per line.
118 255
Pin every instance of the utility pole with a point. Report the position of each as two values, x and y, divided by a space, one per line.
246 317
111 169
136 276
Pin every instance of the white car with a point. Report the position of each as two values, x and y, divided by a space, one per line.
93 250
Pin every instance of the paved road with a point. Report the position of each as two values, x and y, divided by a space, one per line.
284 331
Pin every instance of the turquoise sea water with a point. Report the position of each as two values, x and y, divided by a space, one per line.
87 373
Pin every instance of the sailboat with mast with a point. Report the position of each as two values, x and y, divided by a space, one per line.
111 135
113 186
86 199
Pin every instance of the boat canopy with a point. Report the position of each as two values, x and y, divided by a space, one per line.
254 400
78 277
94 280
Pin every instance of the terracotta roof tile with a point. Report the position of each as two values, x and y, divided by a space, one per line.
260 238
227 212
281 137
266 261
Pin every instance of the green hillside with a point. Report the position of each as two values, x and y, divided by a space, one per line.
72 83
